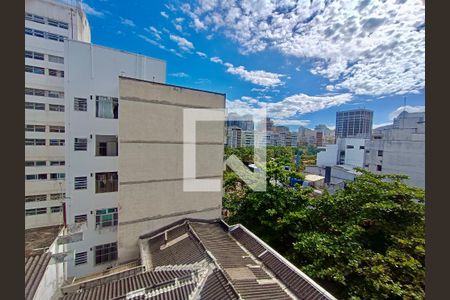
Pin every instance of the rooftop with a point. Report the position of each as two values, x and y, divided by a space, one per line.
38 239
206 259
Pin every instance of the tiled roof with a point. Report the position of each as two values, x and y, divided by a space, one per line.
35 266
200 259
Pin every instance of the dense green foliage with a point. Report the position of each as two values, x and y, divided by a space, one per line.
363 242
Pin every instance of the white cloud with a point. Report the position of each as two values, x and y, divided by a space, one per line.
150 41
302 104
170 7
258 77
201 54
183 43
375 126
216 60
367 47
127 22
164 14
289 108
91 11
408 108
291 122
179 74
155 32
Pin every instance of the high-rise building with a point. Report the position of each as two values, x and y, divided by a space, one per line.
48 24
92 146
356 123
234 137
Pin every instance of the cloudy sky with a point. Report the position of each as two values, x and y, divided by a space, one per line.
301 60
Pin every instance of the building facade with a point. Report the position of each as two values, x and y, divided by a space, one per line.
48 24
348 151
355 123
400 149
92 147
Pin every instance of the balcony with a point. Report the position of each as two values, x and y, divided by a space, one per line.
106 145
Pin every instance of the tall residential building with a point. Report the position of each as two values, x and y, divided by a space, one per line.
92 105
356 123
244 122
400 149
234 137
306 136
48 24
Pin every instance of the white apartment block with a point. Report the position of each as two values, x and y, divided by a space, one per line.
347 151
233 137
92 147
47 25
400 149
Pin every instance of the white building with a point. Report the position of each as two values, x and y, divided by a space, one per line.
92 128
347 151
400 149
48 24
247 138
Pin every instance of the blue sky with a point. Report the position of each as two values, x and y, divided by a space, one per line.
302 60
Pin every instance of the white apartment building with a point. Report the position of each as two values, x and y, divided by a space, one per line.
347 151
48 23
400 149
92 129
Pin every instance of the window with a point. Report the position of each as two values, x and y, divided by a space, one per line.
81 219
106 107
56 209
105 253
35 198
106 217
378 167
366 165
80 144
55 94
45 35
34 55
106 182
52 22
361 147
56 142
56 73
376 137
80 104
367 151
56 59
80 258
57 196
80 183
35 70
35 163
34 105
106 145
56 107
34 142
350 147
35 211
34 18
36 177
57 176
34 128
380 152
56 129
57 163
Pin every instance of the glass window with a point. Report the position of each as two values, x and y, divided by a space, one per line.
35 198
57 176
56 129
106 107
56 209
106 182
106 217
105 253
80 219
56 107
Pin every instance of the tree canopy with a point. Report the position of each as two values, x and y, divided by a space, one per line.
363 242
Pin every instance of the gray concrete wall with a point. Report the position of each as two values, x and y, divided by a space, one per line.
151 159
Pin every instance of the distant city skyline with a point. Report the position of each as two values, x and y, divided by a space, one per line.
302 78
